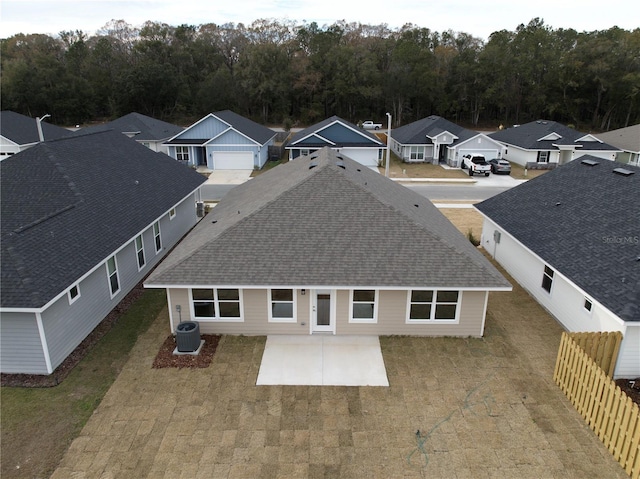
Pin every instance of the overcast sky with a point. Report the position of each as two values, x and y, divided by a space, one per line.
471 16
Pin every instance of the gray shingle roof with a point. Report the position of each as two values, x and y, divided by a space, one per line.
368 140
250 128
326 226
627 139
23 130
526 136
584 221
145 127
418 132
68 204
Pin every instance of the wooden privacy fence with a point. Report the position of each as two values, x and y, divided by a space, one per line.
610 413
603 348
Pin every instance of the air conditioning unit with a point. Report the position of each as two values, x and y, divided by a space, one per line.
188 337
200 209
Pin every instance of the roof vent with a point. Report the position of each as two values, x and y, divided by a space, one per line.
313 157
339 157
417 206
589 162
623 171
214 222
358 169
340 164
313 165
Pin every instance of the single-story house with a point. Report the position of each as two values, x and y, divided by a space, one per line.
144 129
546 144
571 238
322 244
19 132
434 140
223 141
627 140
84 219
341 136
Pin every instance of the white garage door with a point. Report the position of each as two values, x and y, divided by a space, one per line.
488 154
364 156
236 160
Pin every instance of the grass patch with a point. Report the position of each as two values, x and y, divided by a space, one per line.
270 165
38 425
399 169
517 172
467 220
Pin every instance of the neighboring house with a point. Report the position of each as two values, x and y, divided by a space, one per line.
322 244
627 140
223 141
19 132
545 144
83 220
148 131
571 238
341 136
434 140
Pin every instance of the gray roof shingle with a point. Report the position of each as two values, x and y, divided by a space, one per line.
23 130
627 139
66 205
144 127
250 128
368 140
418 132
584 221
326 226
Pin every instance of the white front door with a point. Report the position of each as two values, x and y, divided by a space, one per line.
323 311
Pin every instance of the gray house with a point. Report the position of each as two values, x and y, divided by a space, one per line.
84 219
627 140
19 132
434 139
144 129
322 244
223 141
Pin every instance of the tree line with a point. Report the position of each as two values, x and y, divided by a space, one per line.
280 71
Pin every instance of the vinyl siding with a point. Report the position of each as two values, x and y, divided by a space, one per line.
231 137
207 128
20 345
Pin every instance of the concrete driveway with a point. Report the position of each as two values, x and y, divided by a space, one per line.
454 408
228 177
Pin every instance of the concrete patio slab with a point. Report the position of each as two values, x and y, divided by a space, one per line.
322 361
228 177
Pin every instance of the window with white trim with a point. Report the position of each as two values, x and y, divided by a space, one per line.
547 279
283 305
430 305
172 213
416 152
140 252
182 153
216 304
543 157
112 274
305 152
73 293
364 306
156 236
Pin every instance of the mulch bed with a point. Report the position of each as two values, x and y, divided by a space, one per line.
166 358
631 387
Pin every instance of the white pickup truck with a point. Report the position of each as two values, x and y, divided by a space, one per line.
475 164
370 125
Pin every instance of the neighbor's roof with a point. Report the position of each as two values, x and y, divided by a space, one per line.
23 130
627 139
529 136
421 131
143 128
333 224
584 222
338 140
68 204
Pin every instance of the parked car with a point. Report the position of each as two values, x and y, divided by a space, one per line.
370 125
500 166
476 164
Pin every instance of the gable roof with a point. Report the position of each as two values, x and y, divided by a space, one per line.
325 137
549 135
422 131
69 204
256 132
333 224
141 127
583 221
627 139
23 130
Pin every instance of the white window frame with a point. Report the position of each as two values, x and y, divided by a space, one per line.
109 275
216 307
293 302
372 320
434 303
305 151
73 299
543 156
140 250
416 152
546 275
172 213
157 237
182 153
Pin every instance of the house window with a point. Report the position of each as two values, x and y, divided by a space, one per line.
73 293
283 306
182 153
172 213
547 279
427 305
112 274
543 157
416 153
216 304
156 236
305 152
140 252
588 304
364 306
